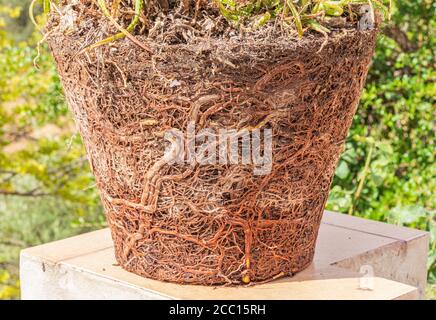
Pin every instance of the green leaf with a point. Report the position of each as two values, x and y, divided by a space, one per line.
343 170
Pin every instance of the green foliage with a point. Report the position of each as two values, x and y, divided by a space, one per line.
300 15
9 288
46 189
295 14
394 133
47 192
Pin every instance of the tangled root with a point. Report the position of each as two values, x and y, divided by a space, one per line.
212 224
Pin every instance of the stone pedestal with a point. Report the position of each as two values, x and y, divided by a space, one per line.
355 259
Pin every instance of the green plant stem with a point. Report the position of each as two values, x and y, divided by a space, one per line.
123 32
296 16
365 172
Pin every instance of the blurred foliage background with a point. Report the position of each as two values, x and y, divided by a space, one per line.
387 173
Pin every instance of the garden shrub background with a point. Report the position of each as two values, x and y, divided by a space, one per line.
387 173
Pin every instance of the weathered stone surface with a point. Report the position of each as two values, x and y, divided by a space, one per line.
84 267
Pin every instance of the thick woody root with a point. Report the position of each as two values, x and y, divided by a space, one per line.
212 224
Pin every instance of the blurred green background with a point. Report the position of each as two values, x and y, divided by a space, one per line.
47 192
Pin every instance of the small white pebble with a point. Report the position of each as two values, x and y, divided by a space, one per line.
175 83
367 21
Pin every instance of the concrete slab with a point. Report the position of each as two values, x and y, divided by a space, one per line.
84 267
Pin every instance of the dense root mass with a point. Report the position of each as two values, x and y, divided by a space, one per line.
210 224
